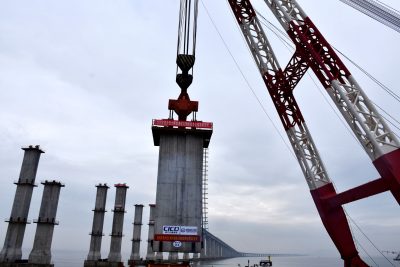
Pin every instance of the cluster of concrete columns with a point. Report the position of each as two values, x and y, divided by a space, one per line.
213 247
114 256
41 251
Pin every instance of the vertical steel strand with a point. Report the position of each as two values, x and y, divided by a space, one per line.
376 11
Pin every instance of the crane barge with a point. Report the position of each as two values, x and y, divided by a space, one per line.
314 52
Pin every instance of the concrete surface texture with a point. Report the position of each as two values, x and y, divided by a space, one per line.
179 186
19 214
137 231
150 252
118 223
41 251
98 223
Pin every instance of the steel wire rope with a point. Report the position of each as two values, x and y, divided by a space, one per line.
380 84
188 13
370 76
384 87
365 251
395 126
362 232
291 49
254 94
246 80
386 5
379 9
289 46
376 11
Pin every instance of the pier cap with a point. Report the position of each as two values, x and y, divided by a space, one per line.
121 185
31 147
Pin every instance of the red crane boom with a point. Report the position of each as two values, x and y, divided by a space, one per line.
313 51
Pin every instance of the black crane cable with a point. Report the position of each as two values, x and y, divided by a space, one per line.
285 40
187 33
237 65
370 76
290 46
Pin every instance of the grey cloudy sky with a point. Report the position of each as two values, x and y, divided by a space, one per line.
84 79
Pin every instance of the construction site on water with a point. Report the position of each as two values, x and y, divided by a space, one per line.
178 220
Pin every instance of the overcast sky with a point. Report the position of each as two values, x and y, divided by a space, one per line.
84 79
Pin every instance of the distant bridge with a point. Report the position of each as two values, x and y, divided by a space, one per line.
215 248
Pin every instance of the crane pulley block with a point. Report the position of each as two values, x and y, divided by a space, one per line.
185 62
184 81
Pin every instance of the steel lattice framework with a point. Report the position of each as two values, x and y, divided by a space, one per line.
313 51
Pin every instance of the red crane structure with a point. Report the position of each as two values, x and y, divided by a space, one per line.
378 141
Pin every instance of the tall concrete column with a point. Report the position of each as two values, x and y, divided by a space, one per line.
179 183
98 223
173 256
137 230
150 252
118 223
19 214
159 256
213 254
208 247
186 256
41 252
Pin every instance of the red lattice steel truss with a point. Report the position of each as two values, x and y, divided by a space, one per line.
313 51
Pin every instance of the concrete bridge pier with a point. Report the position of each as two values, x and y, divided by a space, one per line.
150 252
208 247
173 256
19 214
98 223
159 256
186 256
118 222
137 230
41 252
213 248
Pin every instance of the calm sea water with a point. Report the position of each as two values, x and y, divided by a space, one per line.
75 259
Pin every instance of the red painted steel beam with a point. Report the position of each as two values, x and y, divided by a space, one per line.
363 191
295 69
335 222
319 54
388 167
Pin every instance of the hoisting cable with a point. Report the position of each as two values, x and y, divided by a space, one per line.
395 126
372 243
380 84
246 80
185 58
386 5
358 244
384 87
289 46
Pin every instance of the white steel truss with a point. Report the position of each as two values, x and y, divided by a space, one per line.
299 136
359 112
